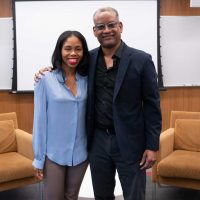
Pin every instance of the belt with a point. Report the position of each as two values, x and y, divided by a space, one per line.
109 131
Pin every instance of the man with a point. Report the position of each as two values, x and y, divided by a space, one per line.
123 113
124 118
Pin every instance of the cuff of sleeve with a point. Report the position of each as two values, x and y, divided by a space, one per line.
152 148
38 164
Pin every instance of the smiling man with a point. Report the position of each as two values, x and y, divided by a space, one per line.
124 118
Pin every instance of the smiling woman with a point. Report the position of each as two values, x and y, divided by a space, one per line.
60 97
34 43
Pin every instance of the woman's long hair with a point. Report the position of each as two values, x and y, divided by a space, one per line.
56 59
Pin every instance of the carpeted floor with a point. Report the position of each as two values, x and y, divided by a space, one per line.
32 192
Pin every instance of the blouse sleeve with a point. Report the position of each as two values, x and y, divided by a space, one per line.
40 124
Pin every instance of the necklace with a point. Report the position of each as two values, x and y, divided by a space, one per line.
70 83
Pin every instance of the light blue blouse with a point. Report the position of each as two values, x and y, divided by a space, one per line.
59 130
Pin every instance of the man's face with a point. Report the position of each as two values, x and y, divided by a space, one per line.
107 29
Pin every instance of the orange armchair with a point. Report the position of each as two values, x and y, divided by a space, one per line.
16 154
178 162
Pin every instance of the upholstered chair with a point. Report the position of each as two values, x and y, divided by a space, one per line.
16 154
178 162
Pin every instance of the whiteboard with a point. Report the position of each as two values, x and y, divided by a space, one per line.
6 53
39 23
180 50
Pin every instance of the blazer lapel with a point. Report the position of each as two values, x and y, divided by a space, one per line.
92 69
123 65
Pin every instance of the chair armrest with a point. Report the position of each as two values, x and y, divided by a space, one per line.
24 143
166 147
166 143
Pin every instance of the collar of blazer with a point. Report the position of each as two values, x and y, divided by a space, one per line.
123 65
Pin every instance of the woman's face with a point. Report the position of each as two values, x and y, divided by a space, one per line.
72 52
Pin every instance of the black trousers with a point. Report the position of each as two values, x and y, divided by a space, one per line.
105 159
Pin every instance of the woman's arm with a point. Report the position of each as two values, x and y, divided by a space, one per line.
40 124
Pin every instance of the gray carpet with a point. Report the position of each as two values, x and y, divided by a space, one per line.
32 192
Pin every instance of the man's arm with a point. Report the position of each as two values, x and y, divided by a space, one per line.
152 114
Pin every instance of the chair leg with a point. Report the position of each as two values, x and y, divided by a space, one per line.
40 190
154 191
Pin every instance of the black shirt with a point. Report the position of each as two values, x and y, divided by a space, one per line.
104 89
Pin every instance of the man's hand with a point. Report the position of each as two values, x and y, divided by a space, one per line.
148 159
39 174
40 73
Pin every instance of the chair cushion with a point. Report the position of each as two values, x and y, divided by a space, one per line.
10 116
15 166
182 115
187 134
180 164
7 137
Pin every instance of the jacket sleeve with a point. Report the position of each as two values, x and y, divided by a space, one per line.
40 124
151 105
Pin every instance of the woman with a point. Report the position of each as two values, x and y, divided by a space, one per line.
59 133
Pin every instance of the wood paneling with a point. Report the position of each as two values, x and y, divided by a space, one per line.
22 104
25 113
5 8
177 7
187 99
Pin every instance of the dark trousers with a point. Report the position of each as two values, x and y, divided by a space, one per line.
62 182
105 159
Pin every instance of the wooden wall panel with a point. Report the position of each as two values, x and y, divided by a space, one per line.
5 8
192 99
170 100
187 99
177 7
22 104
8 102
25 113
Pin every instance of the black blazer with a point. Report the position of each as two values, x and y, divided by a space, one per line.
136 103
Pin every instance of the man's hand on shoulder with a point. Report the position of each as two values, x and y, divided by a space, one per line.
40 73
